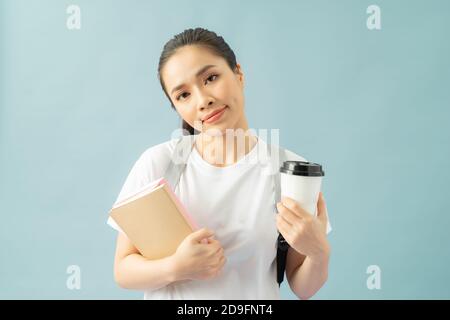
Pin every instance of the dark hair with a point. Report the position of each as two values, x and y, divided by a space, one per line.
201 37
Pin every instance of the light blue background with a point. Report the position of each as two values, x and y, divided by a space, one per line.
78 108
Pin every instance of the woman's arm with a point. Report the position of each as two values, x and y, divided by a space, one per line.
308 276
133 271
309 254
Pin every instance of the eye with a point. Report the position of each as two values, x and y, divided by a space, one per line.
212 77
182 95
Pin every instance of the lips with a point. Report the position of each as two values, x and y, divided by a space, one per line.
213 113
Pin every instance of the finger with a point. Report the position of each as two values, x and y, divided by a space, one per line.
219 252
201 234
213 250
214 243
218 263
222 262
288 215
217 270
293 205
322 213
281 219
283 227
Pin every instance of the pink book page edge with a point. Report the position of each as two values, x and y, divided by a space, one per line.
146 189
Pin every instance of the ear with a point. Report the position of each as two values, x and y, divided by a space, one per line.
239 74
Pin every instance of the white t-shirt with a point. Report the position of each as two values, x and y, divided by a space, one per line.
237 203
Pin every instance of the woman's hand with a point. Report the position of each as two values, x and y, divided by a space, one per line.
195 260
304 232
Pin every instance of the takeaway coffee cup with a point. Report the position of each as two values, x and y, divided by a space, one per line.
301 181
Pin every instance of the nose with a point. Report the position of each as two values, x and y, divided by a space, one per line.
204 100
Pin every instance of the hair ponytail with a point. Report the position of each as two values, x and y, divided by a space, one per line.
186 127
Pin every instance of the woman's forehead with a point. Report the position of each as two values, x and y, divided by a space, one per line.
187 61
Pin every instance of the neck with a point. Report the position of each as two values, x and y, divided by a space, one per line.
227 148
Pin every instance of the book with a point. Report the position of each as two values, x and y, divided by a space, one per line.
154 220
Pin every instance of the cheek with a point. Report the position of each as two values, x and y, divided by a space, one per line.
232 94
238 99
186 113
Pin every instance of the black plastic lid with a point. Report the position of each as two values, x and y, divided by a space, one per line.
301 168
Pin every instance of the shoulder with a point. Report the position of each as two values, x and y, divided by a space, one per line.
290 155
156 159
158 152
164 151
284 153
150 165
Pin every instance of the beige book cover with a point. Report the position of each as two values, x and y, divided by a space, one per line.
154 220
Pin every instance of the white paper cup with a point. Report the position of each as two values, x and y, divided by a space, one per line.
302 181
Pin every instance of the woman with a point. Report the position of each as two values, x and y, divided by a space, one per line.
225 193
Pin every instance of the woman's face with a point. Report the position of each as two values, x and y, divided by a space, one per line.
199 83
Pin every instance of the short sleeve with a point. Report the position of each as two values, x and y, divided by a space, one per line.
329 226
136 179
151 165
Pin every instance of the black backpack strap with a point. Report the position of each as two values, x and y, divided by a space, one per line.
277 157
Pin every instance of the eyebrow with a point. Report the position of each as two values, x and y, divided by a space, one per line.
199 73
